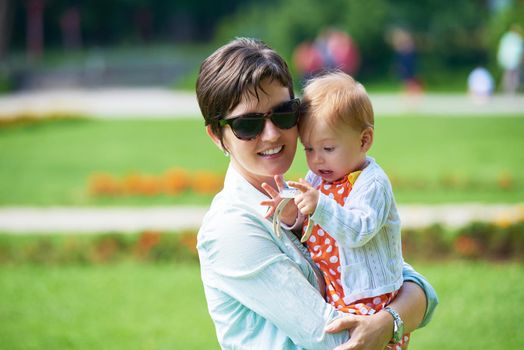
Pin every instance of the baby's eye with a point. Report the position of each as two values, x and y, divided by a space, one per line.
329 149
308 149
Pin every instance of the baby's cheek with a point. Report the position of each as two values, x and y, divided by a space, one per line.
309 160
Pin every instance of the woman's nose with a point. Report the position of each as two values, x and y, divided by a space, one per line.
270 132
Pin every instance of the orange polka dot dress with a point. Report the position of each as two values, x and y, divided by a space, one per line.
325 254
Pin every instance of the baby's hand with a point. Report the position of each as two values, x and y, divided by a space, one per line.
307 200
289 214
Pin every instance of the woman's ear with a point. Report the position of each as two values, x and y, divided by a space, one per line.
366 139
213 137
216 140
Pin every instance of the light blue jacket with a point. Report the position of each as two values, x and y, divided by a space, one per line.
262 291
367 231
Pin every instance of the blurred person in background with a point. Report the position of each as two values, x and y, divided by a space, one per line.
308 60
333 49
480 85
406 59
262 290
70 26
338 51
509 57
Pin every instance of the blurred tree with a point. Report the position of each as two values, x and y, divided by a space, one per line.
5 26
35 28
365 21
124 21
448 35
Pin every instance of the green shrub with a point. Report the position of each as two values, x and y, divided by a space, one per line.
148 246
516 238
5 83
475 241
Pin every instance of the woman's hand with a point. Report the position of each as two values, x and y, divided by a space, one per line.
307 200
289 214
366 332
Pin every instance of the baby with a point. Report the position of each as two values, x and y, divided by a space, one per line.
345 206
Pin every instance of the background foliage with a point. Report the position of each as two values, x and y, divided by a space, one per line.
451 37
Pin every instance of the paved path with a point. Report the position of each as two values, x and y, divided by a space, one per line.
91 220
101 103
164 103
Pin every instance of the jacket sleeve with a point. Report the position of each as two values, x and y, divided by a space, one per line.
359 220
410 275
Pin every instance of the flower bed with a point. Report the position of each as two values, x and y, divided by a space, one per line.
172 182
148 246
487 241
176 181
475 241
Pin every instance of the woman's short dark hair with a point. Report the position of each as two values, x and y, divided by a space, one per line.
233 70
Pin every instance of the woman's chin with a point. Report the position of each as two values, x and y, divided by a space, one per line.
276 165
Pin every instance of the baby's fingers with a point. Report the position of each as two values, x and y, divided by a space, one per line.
298 185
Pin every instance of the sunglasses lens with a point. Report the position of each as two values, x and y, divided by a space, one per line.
284 120
247 128
285 116
287 107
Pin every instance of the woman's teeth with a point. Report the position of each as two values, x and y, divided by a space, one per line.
271 151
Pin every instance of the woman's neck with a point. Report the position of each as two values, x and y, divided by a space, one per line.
254 179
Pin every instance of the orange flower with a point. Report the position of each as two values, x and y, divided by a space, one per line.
189 240
103 184
175 181
207 182
467 247
132 184
138 184
150 185
146 242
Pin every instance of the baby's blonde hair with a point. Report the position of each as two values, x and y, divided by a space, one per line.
335 98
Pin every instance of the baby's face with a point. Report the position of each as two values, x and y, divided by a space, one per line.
333 154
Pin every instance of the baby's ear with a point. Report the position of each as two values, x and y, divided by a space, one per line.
366 139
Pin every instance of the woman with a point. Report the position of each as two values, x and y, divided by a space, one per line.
263 292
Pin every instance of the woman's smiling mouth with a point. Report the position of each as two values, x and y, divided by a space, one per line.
271 151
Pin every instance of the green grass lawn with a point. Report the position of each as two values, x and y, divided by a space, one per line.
430 159
147 306
126 306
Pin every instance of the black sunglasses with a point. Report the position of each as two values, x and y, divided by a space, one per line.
250 125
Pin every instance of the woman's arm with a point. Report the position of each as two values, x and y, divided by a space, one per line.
374 332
